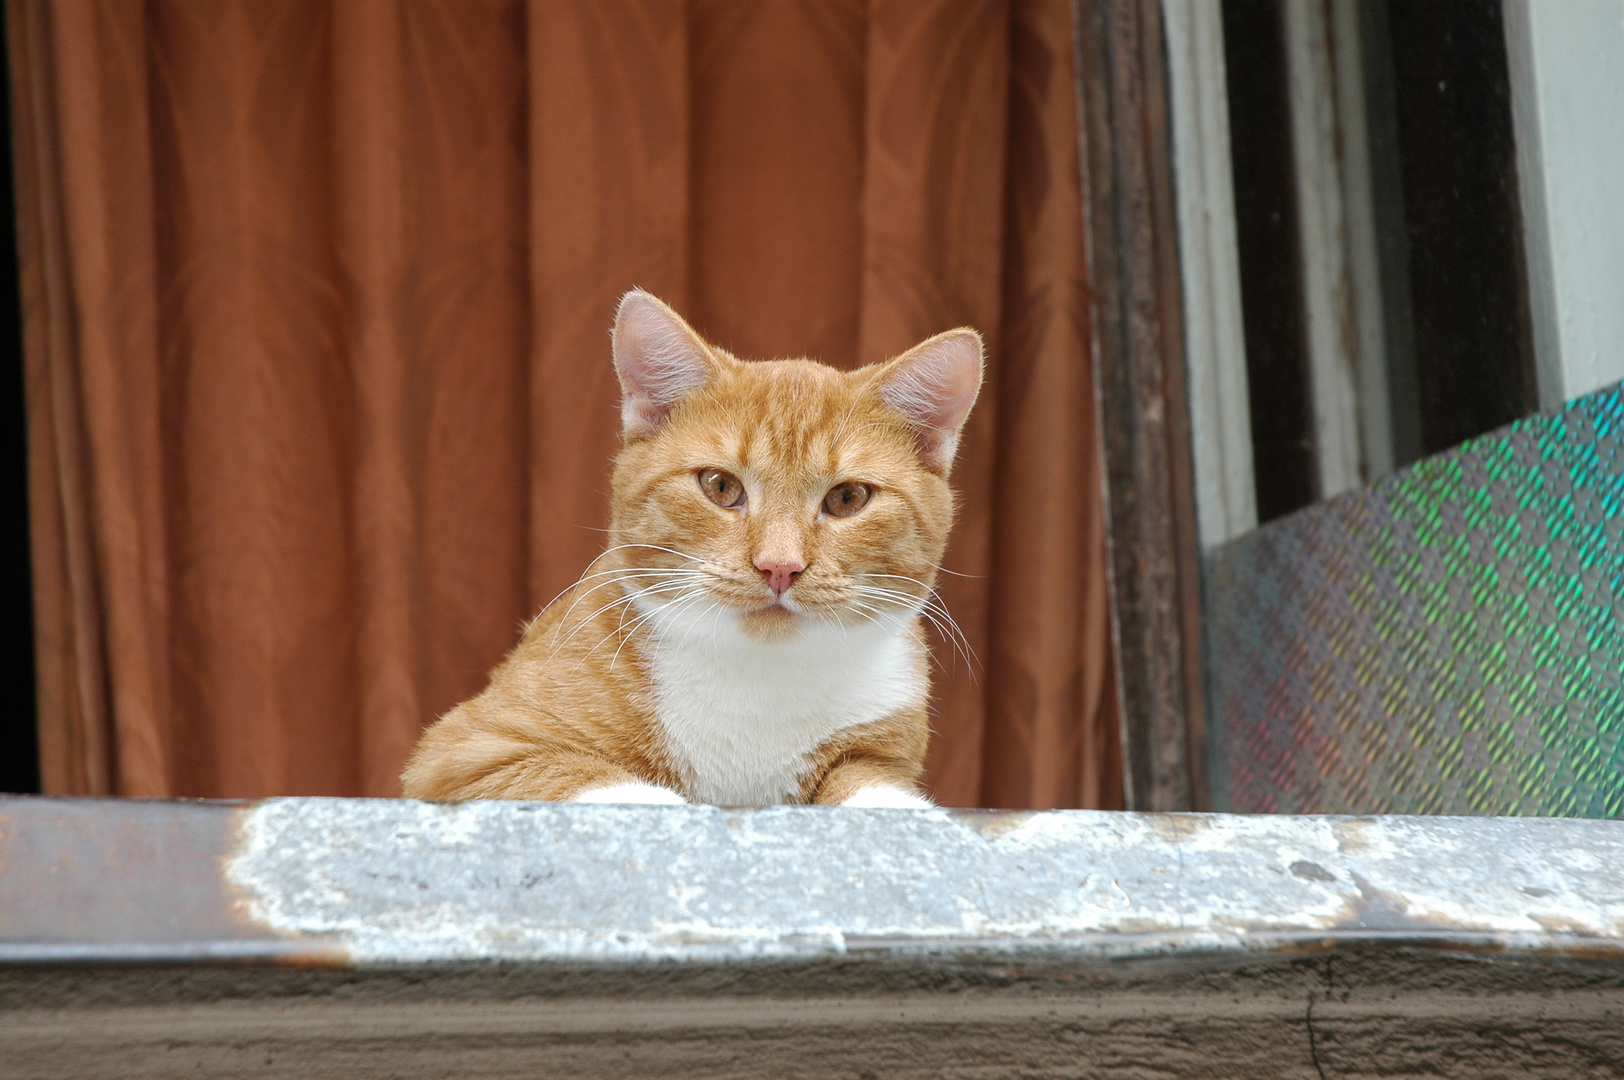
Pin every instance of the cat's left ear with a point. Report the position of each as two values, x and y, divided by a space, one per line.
659 358
934 384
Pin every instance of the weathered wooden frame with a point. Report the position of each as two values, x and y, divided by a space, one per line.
1144 419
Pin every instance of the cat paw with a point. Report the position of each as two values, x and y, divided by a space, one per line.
887 797
629 793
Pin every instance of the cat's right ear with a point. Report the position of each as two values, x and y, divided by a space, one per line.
934 384
659 360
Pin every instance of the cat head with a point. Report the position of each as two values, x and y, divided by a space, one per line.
781 491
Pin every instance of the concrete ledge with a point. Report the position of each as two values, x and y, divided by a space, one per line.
307 937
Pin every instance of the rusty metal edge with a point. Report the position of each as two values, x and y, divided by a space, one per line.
192 954
1131 951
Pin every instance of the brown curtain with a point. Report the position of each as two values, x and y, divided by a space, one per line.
320 404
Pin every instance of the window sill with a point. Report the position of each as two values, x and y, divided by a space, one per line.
474 937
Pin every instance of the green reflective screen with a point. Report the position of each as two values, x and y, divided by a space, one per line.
1449 640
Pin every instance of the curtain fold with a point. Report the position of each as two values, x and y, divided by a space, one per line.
316 307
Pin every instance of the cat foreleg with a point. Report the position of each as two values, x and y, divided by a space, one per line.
887 796
475 762
870 782
632 792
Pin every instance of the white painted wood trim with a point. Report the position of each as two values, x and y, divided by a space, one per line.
1567 90
1209 268
1364 271
1332 361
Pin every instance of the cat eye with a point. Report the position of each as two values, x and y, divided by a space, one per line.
846 499
721 488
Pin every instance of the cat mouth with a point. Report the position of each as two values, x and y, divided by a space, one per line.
770 622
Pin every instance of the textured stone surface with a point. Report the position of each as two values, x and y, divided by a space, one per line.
407 882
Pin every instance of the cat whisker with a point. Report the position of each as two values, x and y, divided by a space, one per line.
716 620
631 595
653 590
895 613
587 622
904 577
895 577
880 615
930 592
899 619
932 599
620 627
931 610
586 576
604 554
641 570
950 630
900 614
634 594
680 603
933 566
832 619
654 547
624 547
961 647
955 573
622 577
716 606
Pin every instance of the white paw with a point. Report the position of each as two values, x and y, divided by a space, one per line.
629 793
888 797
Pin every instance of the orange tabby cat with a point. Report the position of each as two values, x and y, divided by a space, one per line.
752 634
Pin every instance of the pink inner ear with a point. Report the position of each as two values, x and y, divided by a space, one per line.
658 359
934 385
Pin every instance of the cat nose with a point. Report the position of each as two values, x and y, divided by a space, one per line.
779 575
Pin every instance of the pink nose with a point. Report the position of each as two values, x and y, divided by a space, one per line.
779 575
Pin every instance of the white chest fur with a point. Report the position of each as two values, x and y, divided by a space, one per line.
741 716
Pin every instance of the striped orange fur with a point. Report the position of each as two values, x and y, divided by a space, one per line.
753 633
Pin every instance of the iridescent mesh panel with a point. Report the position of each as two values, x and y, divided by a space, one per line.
1449 640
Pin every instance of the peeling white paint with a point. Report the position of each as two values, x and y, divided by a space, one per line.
402 882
